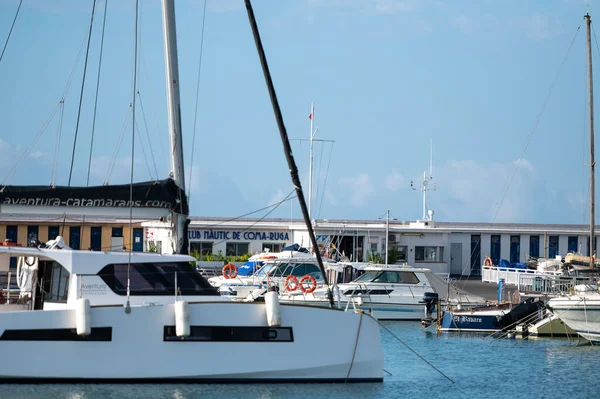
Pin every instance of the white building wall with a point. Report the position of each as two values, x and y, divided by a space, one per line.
563 244
486 243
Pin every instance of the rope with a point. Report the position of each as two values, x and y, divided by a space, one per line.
57 144
10 31
498 205
326 176
97 89
413 351
137 128
147 134
197 99
355 347
117 147
81 92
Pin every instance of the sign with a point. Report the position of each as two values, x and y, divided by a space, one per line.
238 235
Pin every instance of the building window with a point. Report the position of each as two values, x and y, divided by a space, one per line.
203 248
515 249
75 237
572 244
96 238
117 232
272 247
11 236
32 236
236 248
475 254
402 253
552 246
429 254
495 248
534 246
53 232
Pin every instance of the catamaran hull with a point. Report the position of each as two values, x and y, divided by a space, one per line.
580 314
142 346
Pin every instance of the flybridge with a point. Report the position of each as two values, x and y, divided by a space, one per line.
153 194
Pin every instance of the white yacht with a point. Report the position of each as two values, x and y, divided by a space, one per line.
580 311
386 292
167 323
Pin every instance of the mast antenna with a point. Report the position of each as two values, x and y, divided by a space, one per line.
427 184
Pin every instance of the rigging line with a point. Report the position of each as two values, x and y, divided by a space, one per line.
249 213
135 50
319 169
197 100
137 129
57 144
326 176
147 134
117 148
498 205
14 168
163 149
413 351
287 198
97 89
10 31
81 92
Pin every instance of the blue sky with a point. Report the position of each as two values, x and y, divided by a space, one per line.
386 77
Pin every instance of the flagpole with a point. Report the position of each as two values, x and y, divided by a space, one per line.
310 166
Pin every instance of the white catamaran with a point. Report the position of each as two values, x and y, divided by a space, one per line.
146 317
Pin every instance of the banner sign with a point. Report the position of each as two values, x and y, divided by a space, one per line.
152 194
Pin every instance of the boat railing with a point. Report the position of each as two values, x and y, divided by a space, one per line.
493 274
10 293
547 284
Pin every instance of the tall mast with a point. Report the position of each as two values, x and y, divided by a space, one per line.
310 163
172 75
588 21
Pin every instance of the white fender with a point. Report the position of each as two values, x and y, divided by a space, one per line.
182 318
83 317
272 309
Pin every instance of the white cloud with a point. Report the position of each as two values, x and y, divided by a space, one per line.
395 181
396 6
360 188
278 197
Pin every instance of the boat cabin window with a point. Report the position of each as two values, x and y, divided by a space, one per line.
296 269
388 276
55 282
158 278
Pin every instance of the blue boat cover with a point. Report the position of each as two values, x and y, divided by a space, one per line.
295 247
249 267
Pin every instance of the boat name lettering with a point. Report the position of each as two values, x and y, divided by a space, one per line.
467 319
94 288
238 235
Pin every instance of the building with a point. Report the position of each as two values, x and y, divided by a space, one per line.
444 247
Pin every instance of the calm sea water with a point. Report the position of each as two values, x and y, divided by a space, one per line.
480 367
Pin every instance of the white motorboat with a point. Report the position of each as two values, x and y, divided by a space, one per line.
580 311
386 292
80 315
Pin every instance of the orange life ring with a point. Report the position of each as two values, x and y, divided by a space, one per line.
230 271
291 283
313 284
488 261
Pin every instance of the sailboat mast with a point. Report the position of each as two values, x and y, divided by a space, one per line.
588 21
173 100
310 166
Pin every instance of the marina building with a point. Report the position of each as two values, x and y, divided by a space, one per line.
444 247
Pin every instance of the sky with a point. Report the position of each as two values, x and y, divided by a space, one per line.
498 88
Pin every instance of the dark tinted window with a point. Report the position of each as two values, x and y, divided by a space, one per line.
156 279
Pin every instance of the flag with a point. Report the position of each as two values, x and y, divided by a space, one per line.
310 116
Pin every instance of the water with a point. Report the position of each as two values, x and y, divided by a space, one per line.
481 368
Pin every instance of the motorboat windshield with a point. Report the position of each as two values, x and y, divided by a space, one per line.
388 276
